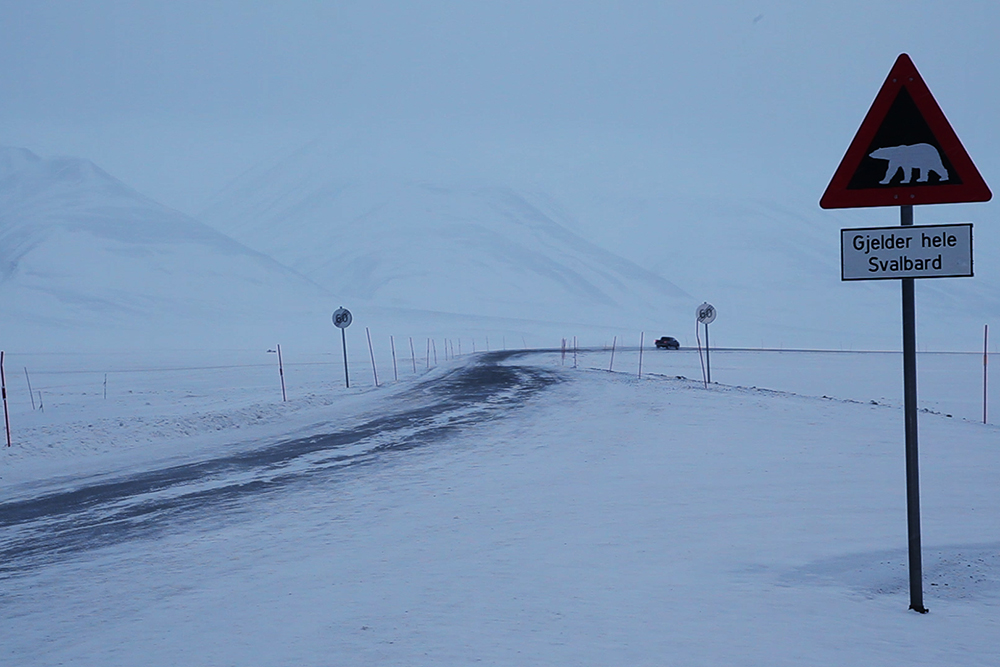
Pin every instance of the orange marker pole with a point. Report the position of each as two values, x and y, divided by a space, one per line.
281 372
3 390
986 360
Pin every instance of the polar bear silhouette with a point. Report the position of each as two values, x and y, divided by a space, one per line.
922 157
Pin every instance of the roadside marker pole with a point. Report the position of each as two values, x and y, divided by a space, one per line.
30 393
413 356
3 390
281 373
986 360
642 339
372 353
612 364
392 344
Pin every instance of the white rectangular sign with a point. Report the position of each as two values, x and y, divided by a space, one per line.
917 251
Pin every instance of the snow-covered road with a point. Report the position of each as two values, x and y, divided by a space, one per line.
95 513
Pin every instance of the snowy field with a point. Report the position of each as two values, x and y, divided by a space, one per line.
497 509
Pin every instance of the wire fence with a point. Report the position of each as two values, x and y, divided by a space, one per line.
137 382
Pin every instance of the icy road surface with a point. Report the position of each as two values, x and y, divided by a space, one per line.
37 530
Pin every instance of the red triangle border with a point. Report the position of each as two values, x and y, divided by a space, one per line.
972 189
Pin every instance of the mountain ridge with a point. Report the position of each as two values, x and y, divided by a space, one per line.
81 250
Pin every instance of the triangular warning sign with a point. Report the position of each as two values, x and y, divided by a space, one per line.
905 152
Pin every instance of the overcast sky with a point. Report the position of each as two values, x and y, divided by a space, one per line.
177 98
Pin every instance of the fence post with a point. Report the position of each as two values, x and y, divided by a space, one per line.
642 339
372 353
30 393
281 372
3 390
392 344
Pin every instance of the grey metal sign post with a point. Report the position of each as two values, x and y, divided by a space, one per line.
342 319
910 433
706 313
906 153
885 253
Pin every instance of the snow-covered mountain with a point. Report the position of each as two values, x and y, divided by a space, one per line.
443 247
85 258
445 244
556 242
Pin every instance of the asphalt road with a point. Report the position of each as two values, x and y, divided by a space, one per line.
63 524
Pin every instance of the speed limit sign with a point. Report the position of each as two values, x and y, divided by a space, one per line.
706 315
342 318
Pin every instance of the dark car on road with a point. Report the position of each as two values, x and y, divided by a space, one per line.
667 343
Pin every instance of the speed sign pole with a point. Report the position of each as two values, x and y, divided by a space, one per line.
705 313
343 344
708 355
342 319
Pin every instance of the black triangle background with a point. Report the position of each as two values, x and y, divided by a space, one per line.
904 125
